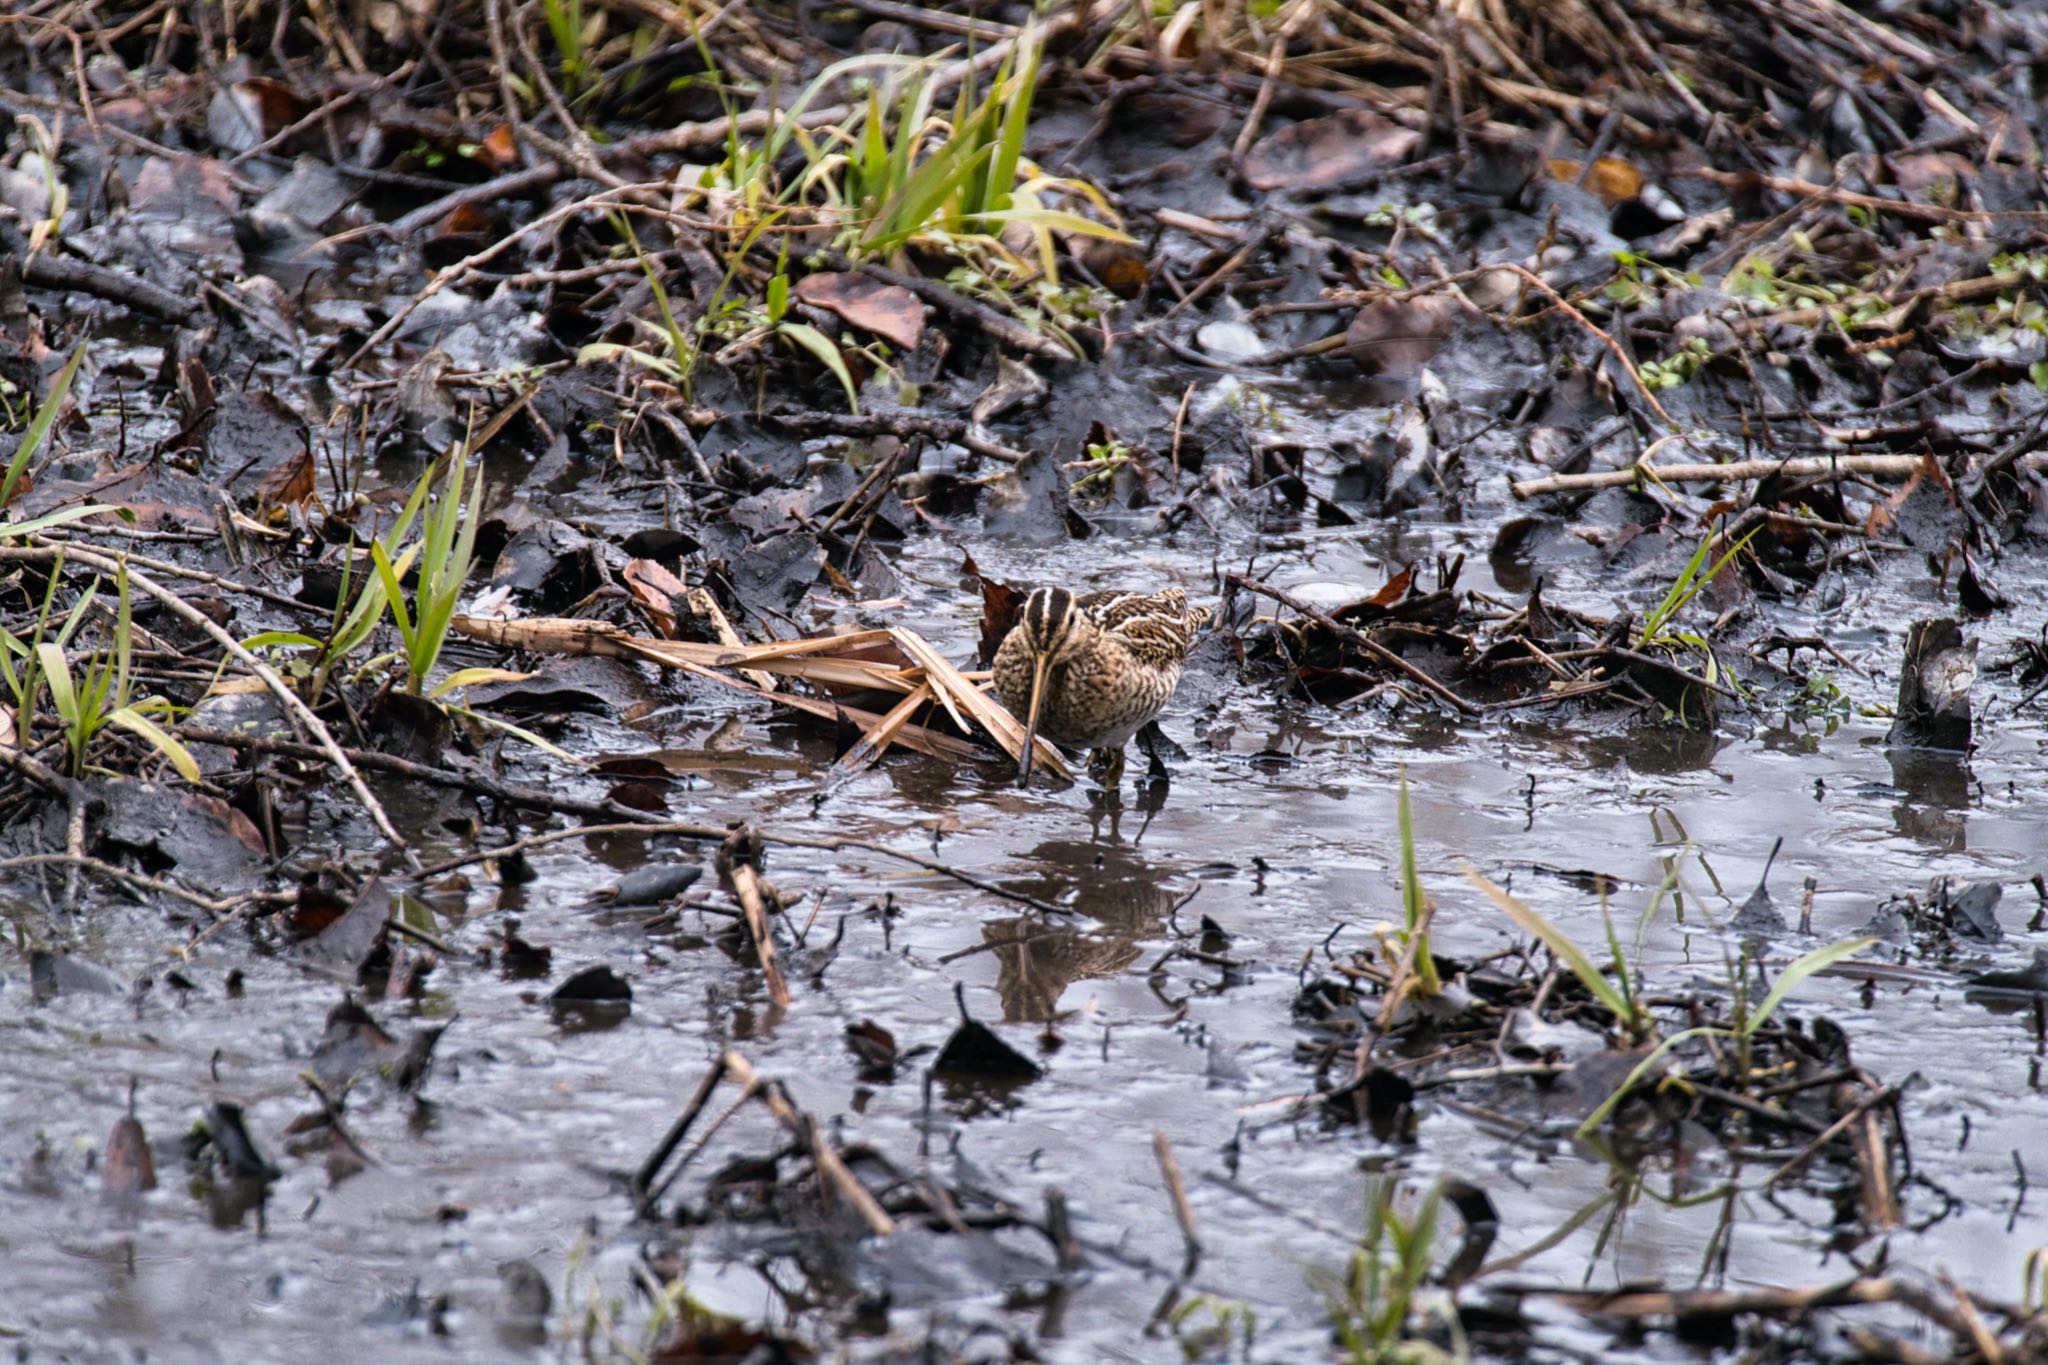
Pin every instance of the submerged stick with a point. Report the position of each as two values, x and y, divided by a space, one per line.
1183 1212
832 1169
739 863
644 1192
1800 467
831 844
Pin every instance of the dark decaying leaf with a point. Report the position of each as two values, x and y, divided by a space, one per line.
236 1150
875 1046
775 573
353 1044
1759 914
1028 503
596 685
413 727
1973 911
350 939
252 434
525 1299
211 843
598 986
410 1070
1393 339
1343 149
1975 590
975 1052
52 974
519 959
1001 604
2030 981
1378 1099
1482 1225
890 311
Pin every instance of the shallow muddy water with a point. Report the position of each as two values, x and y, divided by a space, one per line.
1279 826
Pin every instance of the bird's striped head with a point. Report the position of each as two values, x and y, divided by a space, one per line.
1052 622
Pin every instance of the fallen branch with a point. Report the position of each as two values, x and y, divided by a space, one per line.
832 1169
1800 467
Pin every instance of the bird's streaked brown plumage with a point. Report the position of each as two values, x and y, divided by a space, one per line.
1088 671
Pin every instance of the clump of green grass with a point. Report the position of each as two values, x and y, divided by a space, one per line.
1374 1303
898 180
440 558
1411 965
1617 992
91 694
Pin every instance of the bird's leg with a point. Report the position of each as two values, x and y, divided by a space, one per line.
1107 767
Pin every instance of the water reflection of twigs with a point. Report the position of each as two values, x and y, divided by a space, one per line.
1627 1185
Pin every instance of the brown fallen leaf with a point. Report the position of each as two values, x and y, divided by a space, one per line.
1341 149
890 311
1614 180
126 1166
656 590
286 485
1395 338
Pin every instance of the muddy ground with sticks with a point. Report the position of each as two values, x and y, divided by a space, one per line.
506 849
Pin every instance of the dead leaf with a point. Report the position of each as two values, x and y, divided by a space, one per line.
127 1168
1344 148
1613 179
890 311
1395 338
287 485
656 590
501 147
1119 265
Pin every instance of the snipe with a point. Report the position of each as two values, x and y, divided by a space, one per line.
1088 671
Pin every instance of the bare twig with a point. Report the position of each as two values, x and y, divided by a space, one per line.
1800 467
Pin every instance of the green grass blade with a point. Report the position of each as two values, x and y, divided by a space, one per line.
280 639
79 612
394 593
135 723
1561 947
1690 583
57 677
1414 905
815 341
1797 971
39 427
20 529
1016 122
1057 220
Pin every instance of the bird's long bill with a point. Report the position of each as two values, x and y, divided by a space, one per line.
1031 723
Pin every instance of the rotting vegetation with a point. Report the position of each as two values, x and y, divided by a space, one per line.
419 415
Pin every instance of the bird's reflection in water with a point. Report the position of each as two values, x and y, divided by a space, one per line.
1126 898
